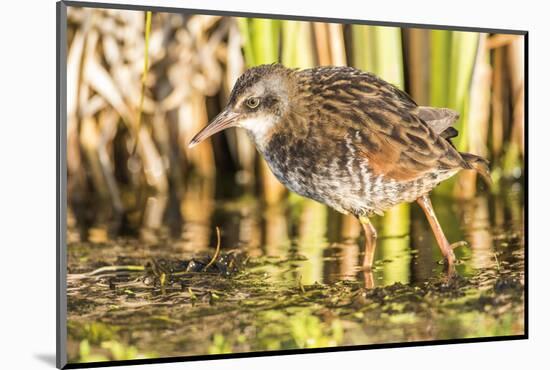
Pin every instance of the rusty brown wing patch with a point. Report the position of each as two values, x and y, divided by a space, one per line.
410 150
415 148
405 148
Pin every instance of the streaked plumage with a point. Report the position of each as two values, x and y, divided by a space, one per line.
344 137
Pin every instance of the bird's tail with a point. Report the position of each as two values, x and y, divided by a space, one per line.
481 165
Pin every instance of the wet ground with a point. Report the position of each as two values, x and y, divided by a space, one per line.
286 277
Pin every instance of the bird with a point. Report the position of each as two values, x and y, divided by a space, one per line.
348 139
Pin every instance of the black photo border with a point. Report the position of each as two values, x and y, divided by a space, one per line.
61 186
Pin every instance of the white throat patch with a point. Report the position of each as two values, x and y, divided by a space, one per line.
259 127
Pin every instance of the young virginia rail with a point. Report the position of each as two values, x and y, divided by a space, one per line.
347 139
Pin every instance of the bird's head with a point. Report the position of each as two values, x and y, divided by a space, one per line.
258 101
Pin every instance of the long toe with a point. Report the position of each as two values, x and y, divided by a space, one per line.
459 244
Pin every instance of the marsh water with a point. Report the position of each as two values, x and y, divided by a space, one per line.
148 283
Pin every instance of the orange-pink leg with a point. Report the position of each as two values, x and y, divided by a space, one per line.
370 242
444 246
370 248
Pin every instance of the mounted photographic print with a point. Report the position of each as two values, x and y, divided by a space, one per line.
235 184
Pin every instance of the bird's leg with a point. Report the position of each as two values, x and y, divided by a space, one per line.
370 242
444 246
368 279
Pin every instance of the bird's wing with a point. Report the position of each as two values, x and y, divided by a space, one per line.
405 148
439 119
386 126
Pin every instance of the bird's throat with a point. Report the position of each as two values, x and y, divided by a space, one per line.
260 129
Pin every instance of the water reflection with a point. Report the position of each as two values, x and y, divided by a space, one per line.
329 245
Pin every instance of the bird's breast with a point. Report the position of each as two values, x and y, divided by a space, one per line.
322 168
295 163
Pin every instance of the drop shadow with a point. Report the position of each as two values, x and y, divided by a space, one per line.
47 358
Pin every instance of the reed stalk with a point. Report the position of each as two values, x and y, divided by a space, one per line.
479 102
453 58
417 64
440 68
297 51
148 16
512 160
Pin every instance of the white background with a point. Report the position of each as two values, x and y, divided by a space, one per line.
27 182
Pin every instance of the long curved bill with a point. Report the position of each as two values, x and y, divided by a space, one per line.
222 121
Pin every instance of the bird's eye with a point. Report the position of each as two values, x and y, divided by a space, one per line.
253 102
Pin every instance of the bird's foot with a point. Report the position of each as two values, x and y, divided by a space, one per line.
450 274
450 258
